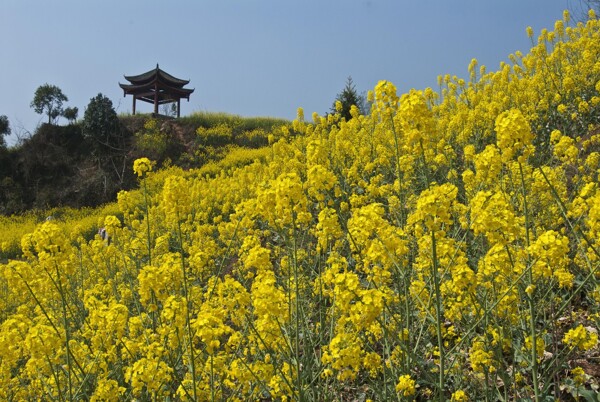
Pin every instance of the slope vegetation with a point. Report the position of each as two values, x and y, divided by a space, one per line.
445 247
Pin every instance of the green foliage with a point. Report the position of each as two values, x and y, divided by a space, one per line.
46 166
55 168
4 129
70 114
220 134
4 125
151 141
49 99
253 138
76 222
11 196
101 124
70 165
348 98
234 157
219 129
236 122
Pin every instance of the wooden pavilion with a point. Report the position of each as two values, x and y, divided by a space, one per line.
157 87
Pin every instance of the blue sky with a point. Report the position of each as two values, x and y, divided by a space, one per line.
251 57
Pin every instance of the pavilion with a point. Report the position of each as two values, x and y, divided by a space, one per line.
157 87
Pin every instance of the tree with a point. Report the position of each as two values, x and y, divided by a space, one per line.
70 114
348 97
101 124
49 99
4 129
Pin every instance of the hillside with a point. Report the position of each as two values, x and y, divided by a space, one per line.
444 246
57 166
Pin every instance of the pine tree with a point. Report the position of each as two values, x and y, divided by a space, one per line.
348 97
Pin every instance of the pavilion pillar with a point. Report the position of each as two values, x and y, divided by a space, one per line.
155 98
178 107
134 105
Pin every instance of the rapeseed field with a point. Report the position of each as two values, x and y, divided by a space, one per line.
444 246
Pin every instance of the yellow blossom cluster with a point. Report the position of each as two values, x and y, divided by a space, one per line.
581 338
142 166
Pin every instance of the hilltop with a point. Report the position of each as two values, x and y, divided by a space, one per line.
57 166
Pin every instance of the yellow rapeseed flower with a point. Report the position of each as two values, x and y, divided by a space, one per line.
513 134
406 386
580 338
142 166
459 396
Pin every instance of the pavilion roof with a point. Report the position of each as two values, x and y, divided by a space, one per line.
156 75
145 86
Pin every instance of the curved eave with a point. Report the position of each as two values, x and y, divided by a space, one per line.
156 75
135 88
169 78
148 90
141 78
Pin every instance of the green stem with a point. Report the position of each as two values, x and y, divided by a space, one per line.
147 213
212 380
187 310
297 318
398 171
45 313
67 332
530 299
438 313
56 379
